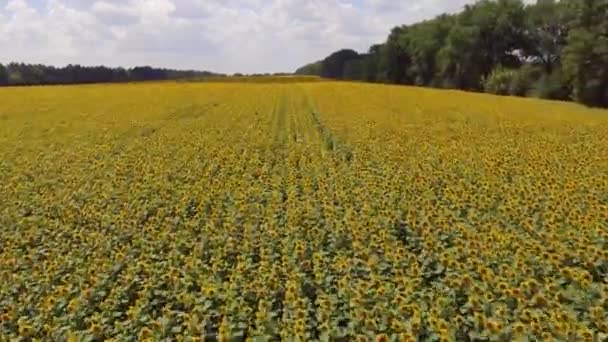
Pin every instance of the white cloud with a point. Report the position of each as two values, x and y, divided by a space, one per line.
114 14
16 5
221 35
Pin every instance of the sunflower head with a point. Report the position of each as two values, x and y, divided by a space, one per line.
586 335
145 334
406 337
381 338
547 336
95 329
519 328
362 338
25 330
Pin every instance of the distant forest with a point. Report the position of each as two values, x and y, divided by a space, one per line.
15 74
551 49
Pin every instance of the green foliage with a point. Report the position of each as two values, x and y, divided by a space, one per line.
552 49
371 63
424 42
524 79
310 69
456 60
395 58
530 80
499 81
551 86
498 27
586 55
354 69
519 82
3 75
259 79
37 74
333 65
547 26
346 64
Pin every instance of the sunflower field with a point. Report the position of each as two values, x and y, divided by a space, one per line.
326 211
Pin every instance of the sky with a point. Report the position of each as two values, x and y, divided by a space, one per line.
225 36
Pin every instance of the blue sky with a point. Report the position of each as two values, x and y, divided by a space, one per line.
219 35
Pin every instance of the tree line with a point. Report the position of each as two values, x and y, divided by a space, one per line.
551 49
17 74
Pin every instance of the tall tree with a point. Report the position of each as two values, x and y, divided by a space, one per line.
586 55
394 57
333 65
371 63
3 75
459 61
485 36
556 49
310 69
546 30
35 74
423 41
354 69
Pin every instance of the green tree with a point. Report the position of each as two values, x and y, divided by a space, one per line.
499 81
586 54
555 49
526 79
333 65
371 63
423 42
547 27
553 86
3 75
484 36
353 69
394 57
310 69
459 60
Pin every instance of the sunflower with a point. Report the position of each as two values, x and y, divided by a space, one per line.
361 315
63 291
5 317
95 329
493 326
209 291
585 334
480 319
519 328
406 337
25 330
381 338
361 338
540 300
72 337
73 305
445 337
466 281
397 325
300 327
536 327
145 334
459 321
547 336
